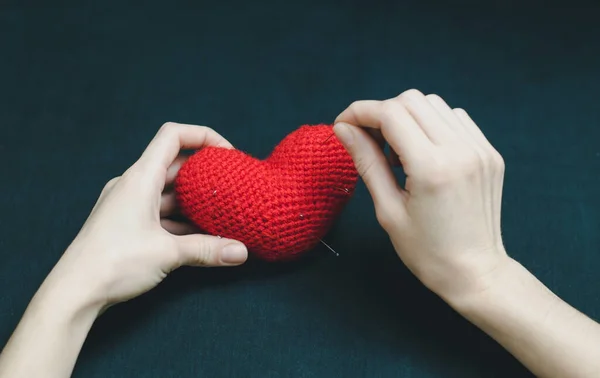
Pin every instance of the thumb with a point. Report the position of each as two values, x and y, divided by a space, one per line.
206 250
370 162
373 167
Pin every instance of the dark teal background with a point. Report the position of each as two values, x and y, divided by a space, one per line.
85 85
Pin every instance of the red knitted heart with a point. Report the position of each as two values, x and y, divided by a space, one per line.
279 207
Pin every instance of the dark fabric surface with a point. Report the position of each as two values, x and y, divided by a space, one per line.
85 85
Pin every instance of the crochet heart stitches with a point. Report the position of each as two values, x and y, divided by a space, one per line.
279 207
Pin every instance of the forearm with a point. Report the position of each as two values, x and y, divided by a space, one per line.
50 335
548 336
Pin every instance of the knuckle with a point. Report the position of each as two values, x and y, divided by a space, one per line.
167 128
204 254
389 106
354 104
349 111
460 111
109 185
112 182
498 161
204 129
433 97
410 93
353 108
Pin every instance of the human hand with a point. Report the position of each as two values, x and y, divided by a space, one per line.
445 221
128 245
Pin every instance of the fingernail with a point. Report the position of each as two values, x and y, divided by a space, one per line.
234 253
344 134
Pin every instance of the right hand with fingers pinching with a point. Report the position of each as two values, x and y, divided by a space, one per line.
444 222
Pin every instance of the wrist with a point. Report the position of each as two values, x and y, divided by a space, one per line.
470 284
68 292
64 301
508 287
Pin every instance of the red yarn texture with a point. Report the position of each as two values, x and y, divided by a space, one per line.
279 207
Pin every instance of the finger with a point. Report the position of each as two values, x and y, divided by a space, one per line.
479 136
427 117
174 169
205 250
379 139
178 228
370 163
168 204
472 128
446 113
398 127
174 137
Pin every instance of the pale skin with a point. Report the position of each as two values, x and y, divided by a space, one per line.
444 223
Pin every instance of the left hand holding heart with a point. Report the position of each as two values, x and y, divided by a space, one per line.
127 246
